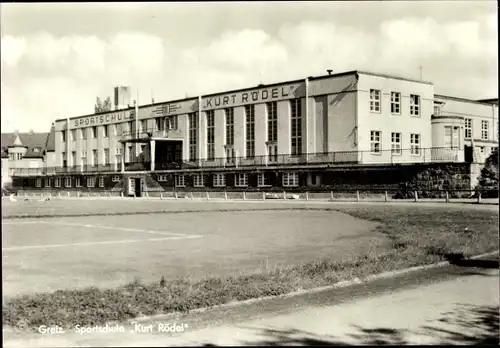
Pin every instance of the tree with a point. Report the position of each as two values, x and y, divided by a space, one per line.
488 179
102 107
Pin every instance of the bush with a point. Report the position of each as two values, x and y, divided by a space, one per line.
488 179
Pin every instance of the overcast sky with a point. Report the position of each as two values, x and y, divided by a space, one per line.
56 58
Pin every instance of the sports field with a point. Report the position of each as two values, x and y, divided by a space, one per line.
47 254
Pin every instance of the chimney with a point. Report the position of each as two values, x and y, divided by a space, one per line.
329 71
121 97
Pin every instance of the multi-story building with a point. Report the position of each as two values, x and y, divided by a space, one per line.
23 151
306 132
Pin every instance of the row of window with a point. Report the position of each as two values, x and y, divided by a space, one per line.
396 138
94 160
68 181
376 103
272 131
161 123
290 179
485 126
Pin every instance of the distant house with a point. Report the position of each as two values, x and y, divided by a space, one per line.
25 152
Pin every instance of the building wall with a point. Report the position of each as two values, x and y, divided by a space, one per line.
386 122
476 112
6 178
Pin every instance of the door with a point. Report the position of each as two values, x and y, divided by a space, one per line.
138 187
131 187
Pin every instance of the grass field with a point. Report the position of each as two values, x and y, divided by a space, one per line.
106 251
257 249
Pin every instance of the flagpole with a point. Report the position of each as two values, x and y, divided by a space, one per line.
137 120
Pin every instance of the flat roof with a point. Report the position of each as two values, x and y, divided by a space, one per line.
483 102
311 78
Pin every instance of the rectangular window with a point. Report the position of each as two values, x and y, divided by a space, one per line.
210 135
199 180
415 144
291 179
64 160
484 130
193 133
219 180
105 130
272 121
180 181
130 153
375 100
173 122
73 135
160 123
264 179
73 158
229 126
414 105
78 183
396 143
83 133
395 103
63 136
90 181
101 181
482 149
106 156
296 125
118 151
47 182
468 128
241 180
57 182
448 136
67 181
437 110
144 126
130 127
375 141
162 178
250 131
230 155
115 178
95 160
272 152
38 183
94 132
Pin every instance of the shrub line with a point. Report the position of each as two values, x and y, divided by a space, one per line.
340 284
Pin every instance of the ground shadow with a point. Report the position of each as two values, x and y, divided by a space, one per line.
476 263
472 325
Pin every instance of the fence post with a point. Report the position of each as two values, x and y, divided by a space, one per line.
208 196
58 194
447 197
331 196
479 198
225 195
386 197
244 196
121 194
284 195
99 194
78 194
357 196
69 194
192 196
263 196
161 195
416 196
175 195
307 196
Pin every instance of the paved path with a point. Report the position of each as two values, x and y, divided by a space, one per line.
448 305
